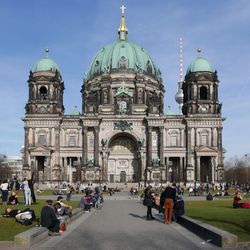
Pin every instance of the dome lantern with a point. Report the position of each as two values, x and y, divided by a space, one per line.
123 31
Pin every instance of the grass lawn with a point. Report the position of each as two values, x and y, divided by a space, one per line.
9 227
221 214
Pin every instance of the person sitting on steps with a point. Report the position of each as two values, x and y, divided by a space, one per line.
49 219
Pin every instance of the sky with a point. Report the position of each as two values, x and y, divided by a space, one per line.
75 30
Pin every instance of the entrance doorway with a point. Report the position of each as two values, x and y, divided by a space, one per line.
205 169
123 176
39 174
123 162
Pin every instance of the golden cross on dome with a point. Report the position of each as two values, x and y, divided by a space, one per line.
123 8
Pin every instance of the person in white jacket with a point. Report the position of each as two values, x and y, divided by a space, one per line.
27 192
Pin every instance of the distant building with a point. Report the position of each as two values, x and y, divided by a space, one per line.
11 166
122 133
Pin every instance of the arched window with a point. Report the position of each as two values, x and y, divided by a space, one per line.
203 93
43 93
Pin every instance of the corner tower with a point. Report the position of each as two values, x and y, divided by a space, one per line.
202 110
200 89
45 88
44 111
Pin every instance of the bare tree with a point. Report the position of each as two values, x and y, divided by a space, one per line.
237 170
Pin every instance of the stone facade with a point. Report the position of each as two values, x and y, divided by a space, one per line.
122 133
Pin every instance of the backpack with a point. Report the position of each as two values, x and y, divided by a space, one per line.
24 218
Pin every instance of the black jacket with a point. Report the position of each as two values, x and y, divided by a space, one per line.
148 199
48 216
168 193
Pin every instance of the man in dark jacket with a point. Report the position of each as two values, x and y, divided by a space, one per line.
49 219
15 185
167 199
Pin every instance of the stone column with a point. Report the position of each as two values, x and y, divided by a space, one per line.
84 146
33 137
213 168
181 168
161 134
50 137
56 169
105 169
198 169
149 161
26 167
189 150
96 153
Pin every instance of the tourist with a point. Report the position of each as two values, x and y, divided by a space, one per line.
11 212
237 199
209 197
65 209
4 189
27 192
49 219
13 200
148 201
68 192
167 198
31 183
14 185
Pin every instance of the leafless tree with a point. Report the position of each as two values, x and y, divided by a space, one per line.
237 170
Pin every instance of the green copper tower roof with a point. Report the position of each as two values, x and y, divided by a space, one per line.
122 55
200 64
45 64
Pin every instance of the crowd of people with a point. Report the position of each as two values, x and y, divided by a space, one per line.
170 203
10 190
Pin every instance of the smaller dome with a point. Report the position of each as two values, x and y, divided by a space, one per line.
200 64
170 111
46 64
75 111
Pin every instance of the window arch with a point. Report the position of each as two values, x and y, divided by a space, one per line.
43 93
203 93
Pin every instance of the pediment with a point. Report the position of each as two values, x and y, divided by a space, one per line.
123 95
205 149
41 149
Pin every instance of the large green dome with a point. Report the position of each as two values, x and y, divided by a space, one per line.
121 55
46 64
200 64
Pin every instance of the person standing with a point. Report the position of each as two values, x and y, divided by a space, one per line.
27 192
15 185
49 219
68 192
4 189
31 186
167 199
148 201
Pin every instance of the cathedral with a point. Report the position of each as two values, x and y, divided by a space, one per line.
122 134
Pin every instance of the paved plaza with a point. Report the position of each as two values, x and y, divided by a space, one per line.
121 224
